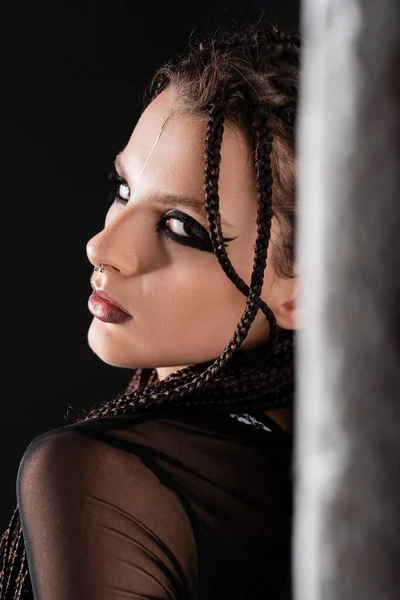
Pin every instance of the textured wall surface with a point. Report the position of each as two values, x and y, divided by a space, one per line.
347 522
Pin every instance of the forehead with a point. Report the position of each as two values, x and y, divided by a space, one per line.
165 154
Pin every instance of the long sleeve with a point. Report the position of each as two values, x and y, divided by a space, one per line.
99 524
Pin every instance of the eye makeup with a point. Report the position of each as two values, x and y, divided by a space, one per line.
198 237
200 240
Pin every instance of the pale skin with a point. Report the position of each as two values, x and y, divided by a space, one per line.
185 309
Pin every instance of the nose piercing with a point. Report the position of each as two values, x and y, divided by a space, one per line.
101 268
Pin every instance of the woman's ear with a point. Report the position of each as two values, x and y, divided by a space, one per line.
282 299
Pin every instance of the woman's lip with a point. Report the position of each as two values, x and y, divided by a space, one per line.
105 310
104 295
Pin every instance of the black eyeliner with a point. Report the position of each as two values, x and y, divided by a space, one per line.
189 221
115 179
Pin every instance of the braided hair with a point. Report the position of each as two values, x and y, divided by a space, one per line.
249 76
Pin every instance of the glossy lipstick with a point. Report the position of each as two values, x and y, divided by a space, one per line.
103 308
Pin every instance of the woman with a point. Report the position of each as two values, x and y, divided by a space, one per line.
179 488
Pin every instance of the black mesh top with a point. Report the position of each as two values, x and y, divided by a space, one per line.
168 505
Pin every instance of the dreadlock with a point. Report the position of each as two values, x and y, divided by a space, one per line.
250 77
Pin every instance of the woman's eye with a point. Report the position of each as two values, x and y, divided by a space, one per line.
122 193
184 230
119 189
177 226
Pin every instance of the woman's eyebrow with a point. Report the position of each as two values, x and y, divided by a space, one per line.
196 204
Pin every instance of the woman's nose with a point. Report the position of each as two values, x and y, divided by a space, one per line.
94 253
120 245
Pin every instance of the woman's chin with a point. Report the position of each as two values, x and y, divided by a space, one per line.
101 342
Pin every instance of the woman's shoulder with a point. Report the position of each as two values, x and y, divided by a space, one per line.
175 430
206 444
175 481
183 478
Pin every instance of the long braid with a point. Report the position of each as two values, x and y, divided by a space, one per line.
266 90
163 392
14 580
264 215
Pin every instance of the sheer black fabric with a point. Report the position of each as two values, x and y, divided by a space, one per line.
173 505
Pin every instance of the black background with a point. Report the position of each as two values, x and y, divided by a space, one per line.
72 80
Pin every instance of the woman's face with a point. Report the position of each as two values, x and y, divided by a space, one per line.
162 270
